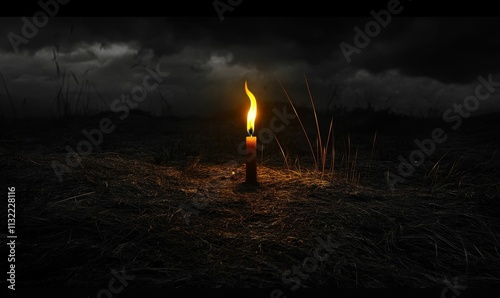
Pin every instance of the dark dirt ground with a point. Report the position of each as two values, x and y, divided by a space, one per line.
164 199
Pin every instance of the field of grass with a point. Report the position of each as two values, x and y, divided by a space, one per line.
164 199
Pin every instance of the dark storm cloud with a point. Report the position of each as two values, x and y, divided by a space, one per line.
277 39
417 60
69 33
448 49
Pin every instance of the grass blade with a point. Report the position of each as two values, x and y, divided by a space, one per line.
282 153
314 111
9 96
302 125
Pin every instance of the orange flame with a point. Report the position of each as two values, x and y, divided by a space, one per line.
252 113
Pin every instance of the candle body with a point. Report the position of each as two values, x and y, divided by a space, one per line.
251 160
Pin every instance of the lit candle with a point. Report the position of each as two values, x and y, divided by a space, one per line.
251 141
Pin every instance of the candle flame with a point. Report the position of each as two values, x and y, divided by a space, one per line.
252 113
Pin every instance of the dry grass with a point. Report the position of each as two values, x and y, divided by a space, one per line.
196 224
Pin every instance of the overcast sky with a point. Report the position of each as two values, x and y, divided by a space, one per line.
419 63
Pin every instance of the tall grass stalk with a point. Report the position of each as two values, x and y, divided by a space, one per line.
333 154
319 144
348 162
64 104
14 112
324 152
285 157
302 125
373 149
321 151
